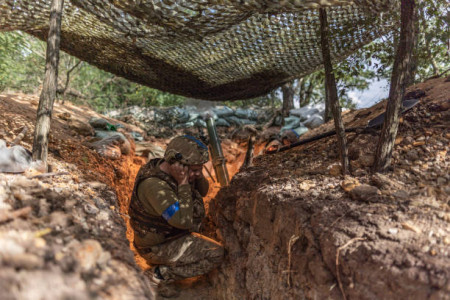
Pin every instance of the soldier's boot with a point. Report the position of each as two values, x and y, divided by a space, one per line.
164 288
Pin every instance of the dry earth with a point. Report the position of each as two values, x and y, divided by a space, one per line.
292 227
295 229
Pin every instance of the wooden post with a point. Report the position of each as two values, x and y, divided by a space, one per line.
330 87
248 160
48 94
397 89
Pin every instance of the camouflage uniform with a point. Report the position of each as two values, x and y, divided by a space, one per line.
179 252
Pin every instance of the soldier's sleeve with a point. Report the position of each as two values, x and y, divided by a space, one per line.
158 198
202 186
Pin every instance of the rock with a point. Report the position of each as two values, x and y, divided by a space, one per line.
87 254
393 231
335 169
418 143
99 123
64 116
349 184
102 216
440 181
366 160
401 194
408 140
58 218
90 209
365 193
23 261
398 140
383 181
409 226
412 155
306 185
82 128
97 185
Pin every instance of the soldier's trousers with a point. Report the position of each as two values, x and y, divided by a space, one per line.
188 256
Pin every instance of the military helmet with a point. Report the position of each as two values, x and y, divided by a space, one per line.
187 150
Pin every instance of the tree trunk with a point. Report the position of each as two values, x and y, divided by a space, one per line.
288 98
397 89
308 93
48 94
301 92
330 87
66 86
412 69
327 113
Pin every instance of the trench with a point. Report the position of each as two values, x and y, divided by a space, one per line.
234 152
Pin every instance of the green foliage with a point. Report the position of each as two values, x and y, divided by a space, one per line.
22 66
430 56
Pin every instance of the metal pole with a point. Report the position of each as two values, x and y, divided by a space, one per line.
218 160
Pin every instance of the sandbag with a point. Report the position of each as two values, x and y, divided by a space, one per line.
184 125
223 111
222 122
15 159
238 121
246 114
304 113
291 122
102 124
112 139
314 121
200 123
301 130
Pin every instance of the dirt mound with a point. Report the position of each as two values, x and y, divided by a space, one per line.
65 235
295 229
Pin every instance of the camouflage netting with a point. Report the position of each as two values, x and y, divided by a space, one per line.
208 49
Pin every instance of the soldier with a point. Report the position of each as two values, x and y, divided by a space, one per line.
166 211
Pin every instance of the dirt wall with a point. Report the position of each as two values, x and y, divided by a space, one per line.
294 228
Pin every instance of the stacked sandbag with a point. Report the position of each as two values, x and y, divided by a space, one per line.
191 116
309 116
155 120
109 142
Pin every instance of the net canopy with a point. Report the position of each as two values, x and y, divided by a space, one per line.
206 49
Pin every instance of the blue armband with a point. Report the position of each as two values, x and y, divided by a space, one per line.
170 211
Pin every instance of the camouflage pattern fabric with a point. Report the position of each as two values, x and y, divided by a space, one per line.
185 257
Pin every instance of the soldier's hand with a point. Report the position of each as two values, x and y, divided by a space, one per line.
180 172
